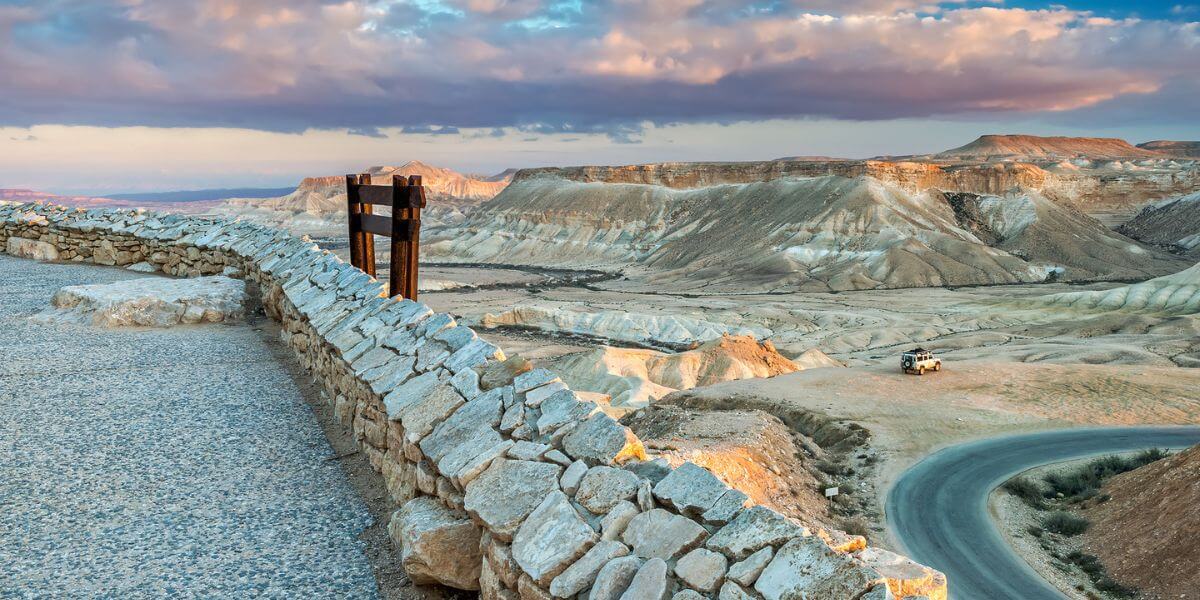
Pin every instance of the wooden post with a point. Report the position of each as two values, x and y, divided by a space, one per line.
368 241
417 202
353 209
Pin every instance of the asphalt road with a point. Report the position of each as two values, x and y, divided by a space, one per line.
938 508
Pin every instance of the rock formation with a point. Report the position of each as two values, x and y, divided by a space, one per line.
1172 148
1178 293
150 302
1174 222
812 233
634 377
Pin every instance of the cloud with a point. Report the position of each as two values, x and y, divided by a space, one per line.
572 66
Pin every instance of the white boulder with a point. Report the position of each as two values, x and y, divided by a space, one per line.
150 302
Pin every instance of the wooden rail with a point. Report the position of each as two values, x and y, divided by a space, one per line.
406 197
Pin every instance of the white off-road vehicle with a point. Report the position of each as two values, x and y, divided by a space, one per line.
919 360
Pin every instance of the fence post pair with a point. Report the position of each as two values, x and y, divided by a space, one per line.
406 197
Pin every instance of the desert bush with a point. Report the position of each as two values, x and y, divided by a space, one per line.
1035 531
856 526
1109 585
1026 490
1085 481
1065 523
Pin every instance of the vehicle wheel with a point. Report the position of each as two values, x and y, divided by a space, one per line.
921 371
937 367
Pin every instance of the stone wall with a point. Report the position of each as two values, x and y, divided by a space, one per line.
508 482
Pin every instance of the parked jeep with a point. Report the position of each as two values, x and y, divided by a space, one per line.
919 360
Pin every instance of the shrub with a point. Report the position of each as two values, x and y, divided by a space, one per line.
1026 490
1107 584
1084 481
1065 523
1035 531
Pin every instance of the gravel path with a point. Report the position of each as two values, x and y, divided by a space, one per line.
138 463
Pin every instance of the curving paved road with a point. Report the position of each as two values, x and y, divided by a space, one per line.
938 508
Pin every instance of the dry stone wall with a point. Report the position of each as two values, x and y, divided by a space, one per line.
508 482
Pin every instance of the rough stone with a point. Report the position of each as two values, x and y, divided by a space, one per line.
601 440
507 492
690 489
27 248
650 582
806 567
523 450
686 594
420 417
654 470
733 591
662 534
903 576
602 488
409 393
726 508
747 571
501 373
614 578
536 396
533 378
552 537
562 408
613 524
702 570
150 302
437 544
572 476
754 529
580 575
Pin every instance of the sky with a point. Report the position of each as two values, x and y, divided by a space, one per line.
104 96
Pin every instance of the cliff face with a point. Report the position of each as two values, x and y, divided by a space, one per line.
1174 222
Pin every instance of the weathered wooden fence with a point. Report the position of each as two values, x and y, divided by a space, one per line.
406 197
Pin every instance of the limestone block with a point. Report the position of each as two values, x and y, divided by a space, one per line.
613 524
650 582
503 495
552 537
420 416
523 450
151 302
534 378
501 373
572 476
601 440
726 508
702 570
686 594
614 578
602 488
806 568
733 591
690 489
903 576
662 534
561 408
580 575
409 393
536 396
746 572
755 528
437 544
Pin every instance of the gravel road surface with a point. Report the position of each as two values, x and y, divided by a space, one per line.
938 508
169 463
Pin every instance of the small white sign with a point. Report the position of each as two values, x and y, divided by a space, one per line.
831 492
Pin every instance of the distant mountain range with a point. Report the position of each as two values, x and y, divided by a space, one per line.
202 195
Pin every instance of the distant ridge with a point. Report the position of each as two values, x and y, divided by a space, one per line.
202 195
1038 147
1173 148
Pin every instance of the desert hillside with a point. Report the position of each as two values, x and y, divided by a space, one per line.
1173 148
816 233
1039 147
1173 222
1145 535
